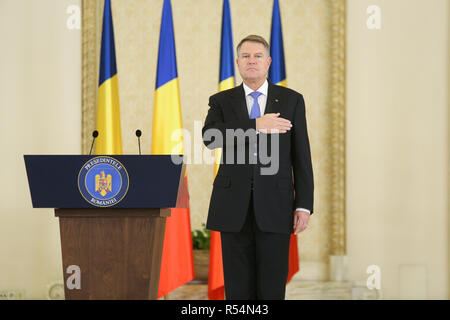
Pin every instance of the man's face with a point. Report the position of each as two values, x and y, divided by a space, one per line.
253 62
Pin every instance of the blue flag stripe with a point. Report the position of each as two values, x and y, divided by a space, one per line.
277 71
167 62
108 66
226 45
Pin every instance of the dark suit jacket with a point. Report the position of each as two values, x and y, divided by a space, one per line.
275 196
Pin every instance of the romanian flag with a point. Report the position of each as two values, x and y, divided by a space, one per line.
226 81
177 265
109 139
277 75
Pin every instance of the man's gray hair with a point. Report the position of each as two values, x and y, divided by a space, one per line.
254 38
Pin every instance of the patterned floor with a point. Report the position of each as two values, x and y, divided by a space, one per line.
295 290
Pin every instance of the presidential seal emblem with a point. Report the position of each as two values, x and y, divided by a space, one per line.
103 181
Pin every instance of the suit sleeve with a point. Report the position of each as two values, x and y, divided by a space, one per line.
301 159
216 125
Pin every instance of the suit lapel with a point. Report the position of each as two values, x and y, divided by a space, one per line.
273 99
239 104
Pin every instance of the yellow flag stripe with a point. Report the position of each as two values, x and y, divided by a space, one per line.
167 119
226 84
109 140
223 85
282 83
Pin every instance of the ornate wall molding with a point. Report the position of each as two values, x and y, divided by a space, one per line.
337 107
89 61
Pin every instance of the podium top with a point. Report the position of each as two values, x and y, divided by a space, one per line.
116 181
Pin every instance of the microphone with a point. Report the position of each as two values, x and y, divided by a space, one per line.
138 135
94 135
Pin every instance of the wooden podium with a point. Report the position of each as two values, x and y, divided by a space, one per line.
118 247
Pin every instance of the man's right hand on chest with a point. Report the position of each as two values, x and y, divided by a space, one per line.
272 123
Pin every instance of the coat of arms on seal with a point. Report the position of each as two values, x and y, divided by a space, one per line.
103 181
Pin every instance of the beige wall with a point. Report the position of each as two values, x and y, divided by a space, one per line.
40 101
397 146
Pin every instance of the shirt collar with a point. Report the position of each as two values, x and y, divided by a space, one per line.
262 89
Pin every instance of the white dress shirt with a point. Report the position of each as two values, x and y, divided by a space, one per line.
262 101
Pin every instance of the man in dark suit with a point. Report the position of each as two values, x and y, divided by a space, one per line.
264 188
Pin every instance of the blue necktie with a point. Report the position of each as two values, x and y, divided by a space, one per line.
255 112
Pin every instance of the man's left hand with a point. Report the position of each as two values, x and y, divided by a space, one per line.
301 220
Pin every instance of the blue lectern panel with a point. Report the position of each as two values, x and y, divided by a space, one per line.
120 181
